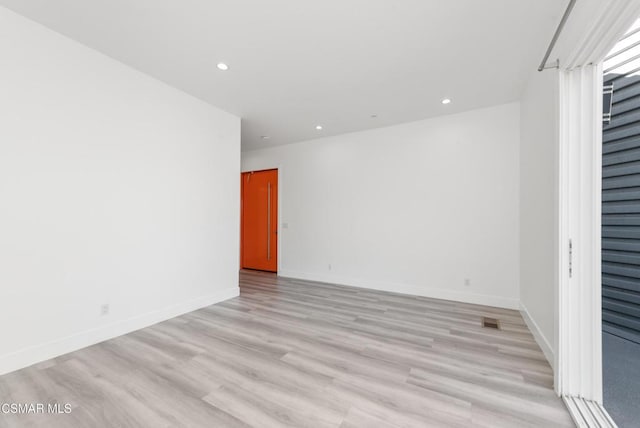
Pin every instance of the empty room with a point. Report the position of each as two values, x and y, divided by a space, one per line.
338 213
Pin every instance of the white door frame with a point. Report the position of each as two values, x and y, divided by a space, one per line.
579 322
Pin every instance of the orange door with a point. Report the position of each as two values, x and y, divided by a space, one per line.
259 243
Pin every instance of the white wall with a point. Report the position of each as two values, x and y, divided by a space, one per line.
114 188
539 207
414 208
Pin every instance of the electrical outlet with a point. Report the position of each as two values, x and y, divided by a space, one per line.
104 309
467 282
329 266
285 225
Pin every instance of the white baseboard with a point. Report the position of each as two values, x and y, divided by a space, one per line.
35 354
542 341
435 293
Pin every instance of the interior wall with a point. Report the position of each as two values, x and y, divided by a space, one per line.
115 189
427 208
539 150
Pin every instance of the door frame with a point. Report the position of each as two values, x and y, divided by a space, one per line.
578 375
279 228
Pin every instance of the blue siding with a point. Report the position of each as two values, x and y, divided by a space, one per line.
621 211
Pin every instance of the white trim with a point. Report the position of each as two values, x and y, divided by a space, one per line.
540 338
587 414
435 293
35 354
610 20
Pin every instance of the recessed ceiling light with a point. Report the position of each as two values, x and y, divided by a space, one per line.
446 101
265 137
319 127
222 66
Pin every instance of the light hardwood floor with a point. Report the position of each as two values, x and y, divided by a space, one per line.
303 354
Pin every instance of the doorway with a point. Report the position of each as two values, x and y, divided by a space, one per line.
581 225
621 230
259 220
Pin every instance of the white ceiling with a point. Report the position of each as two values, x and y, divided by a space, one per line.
295 64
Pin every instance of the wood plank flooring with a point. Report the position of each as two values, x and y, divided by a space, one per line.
291 353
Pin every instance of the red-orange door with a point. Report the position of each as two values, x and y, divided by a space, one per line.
259 236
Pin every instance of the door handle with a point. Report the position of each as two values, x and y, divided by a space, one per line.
269 221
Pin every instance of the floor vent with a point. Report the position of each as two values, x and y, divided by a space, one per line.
490 323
